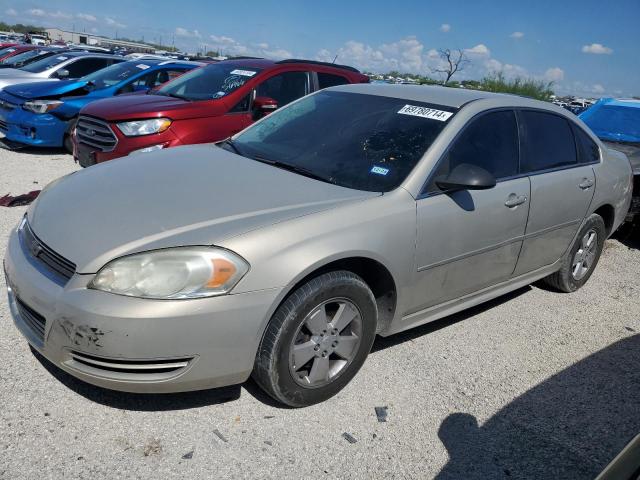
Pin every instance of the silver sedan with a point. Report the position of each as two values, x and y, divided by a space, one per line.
282 252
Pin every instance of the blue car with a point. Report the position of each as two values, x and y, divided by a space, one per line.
43 114
617 123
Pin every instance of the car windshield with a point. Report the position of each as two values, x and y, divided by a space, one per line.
5 50
359 141
45 63
210 82
114 74
19 58
615 122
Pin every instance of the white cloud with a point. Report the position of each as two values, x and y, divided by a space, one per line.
11 12
183 32
231 47
517 35
86 16
445 27
597 49
36 12
554 74
597 88
480 50
113 23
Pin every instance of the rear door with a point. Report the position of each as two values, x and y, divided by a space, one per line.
561 187
470 239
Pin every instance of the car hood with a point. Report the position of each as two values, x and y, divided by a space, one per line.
148 105
51 88
191 195
15 72
632 151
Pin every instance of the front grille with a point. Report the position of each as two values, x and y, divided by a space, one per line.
32 319
40 252
95 133
3 126
133 367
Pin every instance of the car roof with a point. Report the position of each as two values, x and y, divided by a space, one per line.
72 54
264 63
152 62
623 102
440 95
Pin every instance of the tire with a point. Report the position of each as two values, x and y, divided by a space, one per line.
570 278
297 326
67 142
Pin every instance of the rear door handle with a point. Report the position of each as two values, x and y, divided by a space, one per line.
515 200
586 184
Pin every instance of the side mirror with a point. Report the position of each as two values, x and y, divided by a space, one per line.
263 106
466 177
62 73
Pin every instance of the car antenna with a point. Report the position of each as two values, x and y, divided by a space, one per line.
335 58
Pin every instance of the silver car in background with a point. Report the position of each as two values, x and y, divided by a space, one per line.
282 252
65 66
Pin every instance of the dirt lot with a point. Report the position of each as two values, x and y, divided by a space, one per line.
533 385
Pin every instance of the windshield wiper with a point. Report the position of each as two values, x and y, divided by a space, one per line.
233 146
294 168
174 95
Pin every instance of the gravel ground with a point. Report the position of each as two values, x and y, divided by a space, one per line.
532 385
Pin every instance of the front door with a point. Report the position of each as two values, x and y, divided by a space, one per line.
470 239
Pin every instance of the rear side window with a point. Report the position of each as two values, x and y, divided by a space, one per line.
85 66
588 151
547 142
326 80
490 142
284 88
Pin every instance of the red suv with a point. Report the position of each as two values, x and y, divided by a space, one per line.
207 104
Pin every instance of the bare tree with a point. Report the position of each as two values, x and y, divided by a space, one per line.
453 60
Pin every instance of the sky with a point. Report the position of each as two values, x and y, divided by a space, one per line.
585 47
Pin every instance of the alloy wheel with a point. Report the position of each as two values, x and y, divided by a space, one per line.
584 258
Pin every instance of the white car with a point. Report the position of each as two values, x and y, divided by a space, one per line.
38 40
66 65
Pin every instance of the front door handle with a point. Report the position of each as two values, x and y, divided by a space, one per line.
586 184
515 200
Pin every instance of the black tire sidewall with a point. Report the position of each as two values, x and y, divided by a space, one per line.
325 287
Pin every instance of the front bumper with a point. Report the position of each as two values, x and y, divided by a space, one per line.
36 130
131 344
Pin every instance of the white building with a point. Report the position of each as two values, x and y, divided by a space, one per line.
83 38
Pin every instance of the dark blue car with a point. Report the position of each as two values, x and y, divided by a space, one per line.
43 114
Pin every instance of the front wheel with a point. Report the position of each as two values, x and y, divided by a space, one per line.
317 339
582 258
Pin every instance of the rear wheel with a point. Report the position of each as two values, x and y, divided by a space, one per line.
317 340
582 258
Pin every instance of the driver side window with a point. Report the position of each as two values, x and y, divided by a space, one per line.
285 88
489 142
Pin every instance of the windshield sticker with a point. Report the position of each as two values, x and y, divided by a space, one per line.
379 170
425 112
244 73
61 58
218 94
142 66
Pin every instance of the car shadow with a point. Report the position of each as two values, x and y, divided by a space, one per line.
567 427
32 150
629 235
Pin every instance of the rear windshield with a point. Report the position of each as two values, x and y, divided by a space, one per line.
614 122
5 50
210 82
115 74
23 57
365 142
45 63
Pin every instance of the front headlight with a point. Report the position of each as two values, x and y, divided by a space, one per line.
144 127
41 106
173 273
